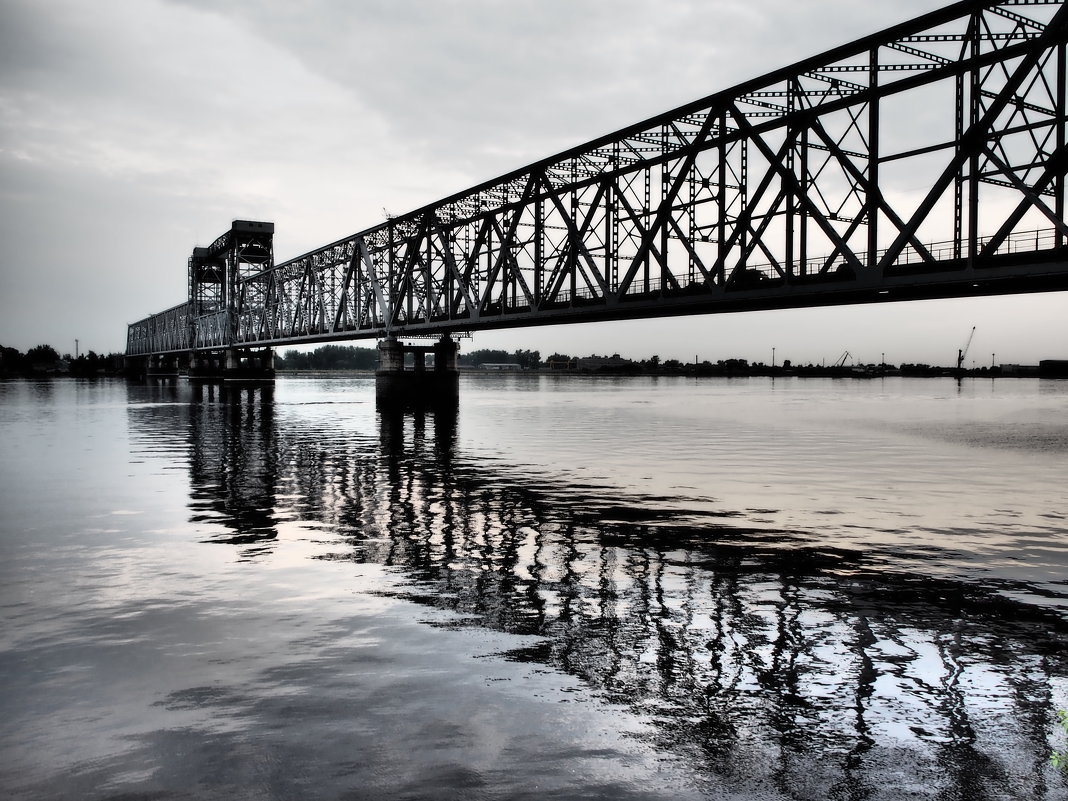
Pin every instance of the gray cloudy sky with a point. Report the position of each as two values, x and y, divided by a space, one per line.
132 130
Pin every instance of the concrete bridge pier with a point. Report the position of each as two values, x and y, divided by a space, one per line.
232 363
399 384
135 367
156 365
205 364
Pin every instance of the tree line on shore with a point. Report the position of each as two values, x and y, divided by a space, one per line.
338 357
42 360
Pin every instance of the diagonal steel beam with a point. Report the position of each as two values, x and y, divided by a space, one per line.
577 236
449 260
1056 167
871 191
789 179
508 260
974 138
506 240
371 275
689 158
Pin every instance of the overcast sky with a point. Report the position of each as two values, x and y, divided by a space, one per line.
133 130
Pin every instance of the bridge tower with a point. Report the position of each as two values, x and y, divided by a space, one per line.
222 277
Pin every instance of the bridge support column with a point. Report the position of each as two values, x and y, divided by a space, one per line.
232 364
205 364
135 367
398 385
161 365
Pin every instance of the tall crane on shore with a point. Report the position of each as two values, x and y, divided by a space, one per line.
964 351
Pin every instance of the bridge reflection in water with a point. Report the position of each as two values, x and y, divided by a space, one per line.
766 664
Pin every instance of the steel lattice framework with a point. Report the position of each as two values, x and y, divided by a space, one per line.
822 183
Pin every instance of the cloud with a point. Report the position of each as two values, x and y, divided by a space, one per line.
492 85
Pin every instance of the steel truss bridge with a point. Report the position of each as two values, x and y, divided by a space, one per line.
927 160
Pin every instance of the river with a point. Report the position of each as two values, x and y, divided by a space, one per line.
567 587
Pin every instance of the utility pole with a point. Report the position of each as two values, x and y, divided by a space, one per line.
75 348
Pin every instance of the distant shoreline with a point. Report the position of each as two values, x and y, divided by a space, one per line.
1051 370
755 372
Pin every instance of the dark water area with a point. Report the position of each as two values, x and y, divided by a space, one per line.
564 588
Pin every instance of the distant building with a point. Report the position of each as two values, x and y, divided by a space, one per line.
500 366
1019 370
1053 368
613 362
561 364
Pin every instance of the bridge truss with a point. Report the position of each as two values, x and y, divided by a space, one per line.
821 183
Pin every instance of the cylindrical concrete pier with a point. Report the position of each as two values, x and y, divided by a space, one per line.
397 384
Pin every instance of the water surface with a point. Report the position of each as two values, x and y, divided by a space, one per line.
565 588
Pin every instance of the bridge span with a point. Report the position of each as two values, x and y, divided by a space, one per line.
927 160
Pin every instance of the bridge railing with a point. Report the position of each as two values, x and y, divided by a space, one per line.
941 252
1016 242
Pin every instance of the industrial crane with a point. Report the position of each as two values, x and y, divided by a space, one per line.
964 351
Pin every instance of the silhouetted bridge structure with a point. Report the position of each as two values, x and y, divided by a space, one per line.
928 160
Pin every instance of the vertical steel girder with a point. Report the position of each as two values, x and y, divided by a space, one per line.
814 184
